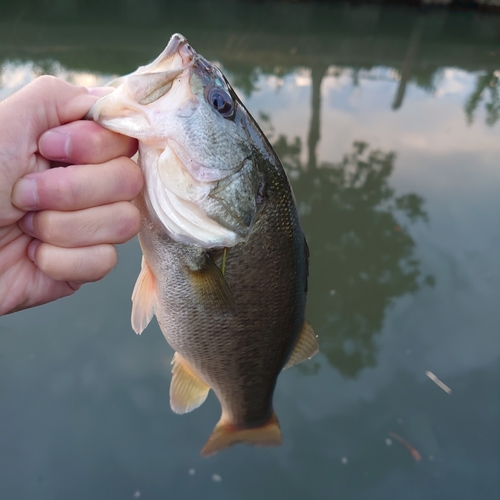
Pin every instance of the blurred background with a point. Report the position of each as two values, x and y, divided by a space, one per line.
386 118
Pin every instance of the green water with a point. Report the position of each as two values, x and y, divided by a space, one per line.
388 122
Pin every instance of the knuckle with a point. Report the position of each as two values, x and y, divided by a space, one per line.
128 222
47 81
132 177
52 83
44 226
55 189
43 259
66 192
108 259
96 142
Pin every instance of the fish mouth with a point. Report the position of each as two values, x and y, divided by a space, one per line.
121 111
178 43
178 55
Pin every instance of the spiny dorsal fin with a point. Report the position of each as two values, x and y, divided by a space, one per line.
305 348
225 434
187 390
143 299
211 287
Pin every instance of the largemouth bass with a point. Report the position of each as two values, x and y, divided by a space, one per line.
225 261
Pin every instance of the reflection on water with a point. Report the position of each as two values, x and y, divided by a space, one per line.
487 88
15 75
387 123
363 255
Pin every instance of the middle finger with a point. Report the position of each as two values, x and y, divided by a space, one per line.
114 223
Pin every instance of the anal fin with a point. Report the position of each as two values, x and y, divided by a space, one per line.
187 390
225 435
143 299
211 288
305 348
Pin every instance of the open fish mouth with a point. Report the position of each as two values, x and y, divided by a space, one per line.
145 86
179 44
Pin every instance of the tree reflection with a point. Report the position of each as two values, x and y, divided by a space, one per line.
486 83
362 252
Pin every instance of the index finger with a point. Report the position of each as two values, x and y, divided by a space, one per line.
84 142
79 186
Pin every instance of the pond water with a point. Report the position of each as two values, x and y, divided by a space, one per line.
388 122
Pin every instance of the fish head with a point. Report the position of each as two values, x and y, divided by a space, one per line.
196 142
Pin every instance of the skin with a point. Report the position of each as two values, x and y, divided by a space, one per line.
58 226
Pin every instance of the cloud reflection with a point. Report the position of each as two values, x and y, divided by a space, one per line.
16 74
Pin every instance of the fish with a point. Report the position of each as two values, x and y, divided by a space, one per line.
225 261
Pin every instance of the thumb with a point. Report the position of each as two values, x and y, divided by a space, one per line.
45 103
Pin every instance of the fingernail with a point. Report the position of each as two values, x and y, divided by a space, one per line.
54 145
32 249
25 194
26 223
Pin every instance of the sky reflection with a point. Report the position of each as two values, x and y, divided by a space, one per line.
405 278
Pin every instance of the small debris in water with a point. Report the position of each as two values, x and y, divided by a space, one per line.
431 458
216 478
332 292
438 382
137 494
414 452
191 472
399 421
344 460
388 441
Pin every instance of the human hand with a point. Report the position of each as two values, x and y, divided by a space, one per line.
58 225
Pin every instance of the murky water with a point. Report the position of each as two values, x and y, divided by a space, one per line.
388 123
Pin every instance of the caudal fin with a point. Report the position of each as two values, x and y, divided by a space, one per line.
225 435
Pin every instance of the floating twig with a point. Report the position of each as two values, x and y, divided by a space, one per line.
438 382
414 452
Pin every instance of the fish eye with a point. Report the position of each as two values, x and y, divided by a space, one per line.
221 101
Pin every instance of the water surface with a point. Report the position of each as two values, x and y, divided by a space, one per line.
387 122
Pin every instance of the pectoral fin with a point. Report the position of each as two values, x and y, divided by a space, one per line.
305 348
143 299
211 288
187 390
225 434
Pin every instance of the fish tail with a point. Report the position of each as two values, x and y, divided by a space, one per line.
225 435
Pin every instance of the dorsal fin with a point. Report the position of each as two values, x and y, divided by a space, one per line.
305 348
187 390
143 298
